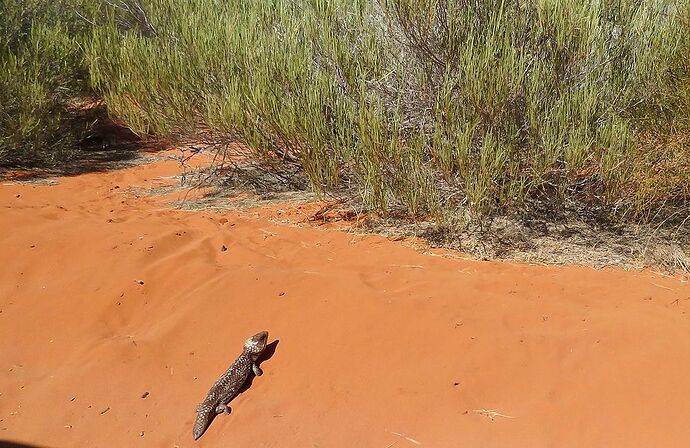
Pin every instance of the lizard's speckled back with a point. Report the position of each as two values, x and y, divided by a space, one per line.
229 384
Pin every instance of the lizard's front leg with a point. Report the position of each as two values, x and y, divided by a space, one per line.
257 370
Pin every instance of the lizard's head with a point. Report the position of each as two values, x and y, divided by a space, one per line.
256 344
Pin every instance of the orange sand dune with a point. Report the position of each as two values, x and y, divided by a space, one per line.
107 298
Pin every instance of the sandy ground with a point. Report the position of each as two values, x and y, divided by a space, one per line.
117 313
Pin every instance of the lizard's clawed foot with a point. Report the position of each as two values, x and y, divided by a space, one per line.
257 370
223 409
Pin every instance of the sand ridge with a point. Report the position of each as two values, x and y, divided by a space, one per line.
117 313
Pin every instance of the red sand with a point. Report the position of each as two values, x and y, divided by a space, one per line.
380 346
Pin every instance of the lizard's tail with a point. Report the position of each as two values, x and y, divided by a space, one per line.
204 417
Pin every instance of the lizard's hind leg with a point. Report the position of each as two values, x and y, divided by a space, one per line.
223 409
223 406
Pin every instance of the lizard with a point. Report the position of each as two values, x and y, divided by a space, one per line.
229 384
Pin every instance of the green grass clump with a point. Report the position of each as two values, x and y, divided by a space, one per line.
433 105
41 73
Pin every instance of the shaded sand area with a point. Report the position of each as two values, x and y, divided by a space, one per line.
117 314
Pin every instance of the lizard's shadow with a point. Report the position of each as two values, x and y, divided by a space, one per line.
8 444
268 353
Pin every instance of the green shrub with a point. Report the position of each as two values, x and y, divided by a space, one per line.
494 101
436 106
41 72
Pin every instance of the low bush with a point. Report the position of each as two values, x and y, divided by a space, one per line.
437 107
42 71
433 105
